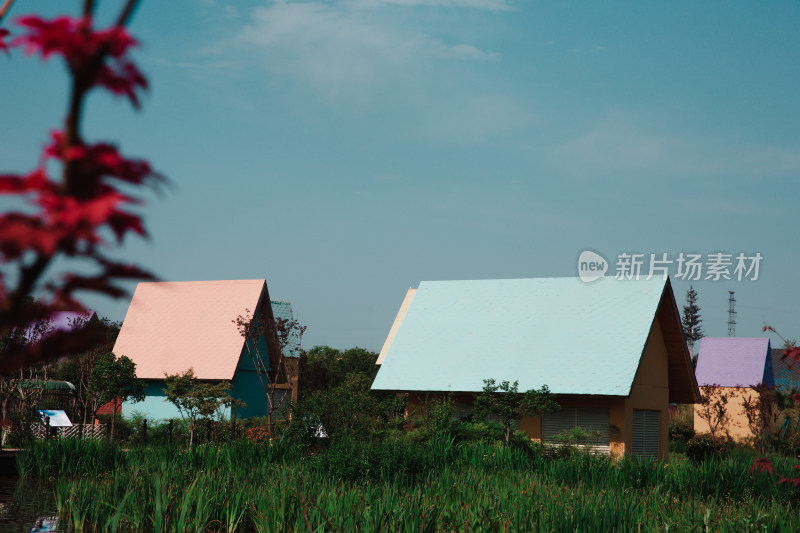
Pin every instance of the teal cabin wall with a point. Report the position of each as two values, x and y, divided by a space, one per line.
155 405
245 386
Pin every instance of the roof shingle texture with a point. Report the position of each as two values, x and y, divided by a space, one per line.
575 337
786 374
173 326
734 362
283 310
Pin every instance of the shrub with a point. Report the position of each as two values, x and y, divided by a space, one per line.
21 433
792 445
434 417
256 434
705 445
680 430
351 460
479 430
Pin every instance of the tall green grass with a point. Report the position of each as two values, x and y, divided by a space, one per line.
440 486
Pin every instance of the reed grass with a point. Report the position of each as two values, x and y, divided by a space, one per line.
442 486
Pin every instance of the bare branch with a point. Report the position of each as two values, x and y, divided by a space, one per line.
5 8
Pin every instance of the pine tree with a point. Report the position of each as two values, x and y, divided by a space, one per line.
691 320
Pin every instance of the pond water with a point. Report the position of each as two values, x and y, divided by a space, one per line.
26 505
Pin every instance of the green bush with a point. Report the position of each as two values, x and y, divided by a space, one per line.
479 430
705 445
792 445
680 430
21 433
352 460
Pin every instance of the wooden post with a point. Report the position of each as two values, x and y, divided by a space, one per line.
144 432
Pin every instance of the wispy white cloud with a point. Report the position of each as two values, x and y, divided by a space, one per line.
425 70
201 65
472 116
622 145
340 46
490 5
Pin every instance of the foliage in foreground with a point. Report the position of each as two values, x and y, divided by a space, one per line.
439 486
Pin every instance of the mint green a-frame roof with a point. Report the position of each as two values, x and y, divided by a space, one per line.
574 337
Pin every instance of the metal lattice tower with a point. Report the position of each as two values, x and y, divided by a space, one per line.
731 314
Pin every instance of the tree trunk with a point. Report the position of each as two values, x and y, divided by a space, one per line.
269 422
508 433
113 418
191 434
5 421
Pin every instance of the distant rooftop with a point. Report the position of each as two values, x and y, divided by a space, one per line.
283 310
734 362
787 375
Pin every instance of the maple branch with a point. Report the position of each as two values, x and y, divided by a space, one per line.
126 13
28 275
5 8
81 82
79 204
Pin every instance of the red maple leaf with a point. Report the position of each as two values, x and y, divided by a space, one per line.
792 353
80 44
762 464
3 34
71 216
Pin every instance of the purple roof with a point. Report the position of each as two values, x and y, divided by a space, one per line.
734 362
64 320
58 321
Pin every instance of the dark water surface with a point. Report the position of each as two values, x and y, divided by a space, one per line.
26 504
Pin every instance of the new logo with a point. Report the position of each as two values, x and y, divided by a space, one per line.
591 266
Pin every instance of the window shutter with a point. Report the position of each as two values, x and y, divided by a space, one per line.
645 434
592 419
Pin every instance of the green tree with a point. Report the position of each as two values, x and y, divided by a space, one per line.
347 409
323 367
691 321
24 387
114 380
77 368
196 400
506 403
335 391
272 369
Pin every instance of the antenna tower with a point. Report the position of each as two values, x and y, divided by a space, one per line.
731 314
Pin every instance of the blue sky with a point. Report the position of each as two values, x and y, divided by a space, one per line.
346 150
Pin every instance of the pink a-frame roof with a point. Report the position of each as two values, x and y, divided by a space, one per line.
173 326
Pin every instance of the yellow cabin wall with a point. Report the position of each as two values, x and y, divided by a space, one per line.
737 427
651 390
